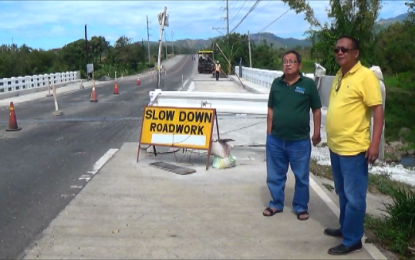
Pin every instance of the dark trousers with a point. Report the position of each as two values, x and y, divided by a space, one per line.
217 75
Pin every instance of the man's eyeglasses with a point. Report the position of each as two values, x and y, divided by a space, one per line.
286 62
342 49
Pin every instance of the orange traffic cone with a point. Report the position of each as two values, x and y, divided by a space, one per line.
138 81
93 95
12 120
116 89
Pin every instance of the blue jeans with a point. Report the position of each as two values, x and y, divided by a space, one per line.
350 174
280 154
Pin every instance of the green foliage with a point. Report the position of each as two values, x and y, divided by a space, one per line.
232 49
395 48
400 106
264 55
396 231
126 57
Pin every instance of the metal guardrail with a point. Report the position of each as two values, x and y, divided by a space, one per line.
239 103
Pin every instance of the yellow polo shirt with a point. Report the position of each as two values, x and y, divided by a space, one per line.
349 110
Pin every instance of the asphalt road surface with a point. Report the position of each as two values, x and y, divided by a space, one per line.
41 165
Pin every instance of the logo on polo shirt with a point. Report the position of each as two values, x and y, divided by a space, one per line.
300 90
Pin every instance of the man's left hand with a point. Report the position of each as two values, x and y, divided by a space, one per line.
372 153
316 139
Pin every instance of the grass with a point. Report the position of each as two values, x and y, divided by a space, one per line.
377 183
395 231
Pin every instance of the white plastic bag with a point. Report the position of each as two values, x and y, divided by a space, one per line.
220 148
223 163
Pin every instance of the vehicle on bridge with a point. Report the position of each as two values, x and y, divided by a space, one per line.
205 61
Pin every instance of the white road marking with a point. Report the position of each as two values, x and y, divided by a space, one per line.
370 248
85 177
67 195
98 165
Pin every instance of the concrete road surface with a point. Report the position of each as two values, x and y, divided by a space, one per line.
48 162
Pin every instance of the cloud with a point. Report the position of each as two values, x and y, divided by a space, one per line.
37 23
57 30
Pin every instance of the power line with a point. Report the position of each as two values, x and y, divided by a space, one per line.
250 10
275 20
239 11
217 29
148 41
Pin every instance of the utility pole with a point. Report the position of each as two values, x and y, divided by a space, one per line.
162 17
142 50
86 51
249 47
148 42
86 43
172 44
165 40
227 18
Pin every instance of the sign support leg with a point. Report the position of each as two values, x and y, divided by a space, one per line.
138 152
217 126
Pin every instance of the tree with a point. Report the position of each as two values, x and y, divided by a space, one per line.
264 57
234 47
349 17
98 46
411 11
395 48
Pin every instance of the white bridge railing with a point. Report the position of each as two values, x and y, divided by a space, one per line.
37 81
262 77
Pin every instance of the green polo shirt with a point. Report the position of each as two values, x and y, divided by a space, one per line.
291 106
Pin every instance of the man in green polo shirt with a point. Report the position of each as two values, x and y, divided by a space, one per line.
288 135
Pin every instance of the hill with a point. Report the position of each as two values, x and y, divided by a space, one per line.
279 42
383 23
276 41
257 38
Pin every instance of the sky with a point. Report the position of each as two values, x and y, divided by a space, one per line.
52 24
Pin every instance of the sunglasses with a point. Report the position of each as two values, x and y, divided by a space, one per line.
342 49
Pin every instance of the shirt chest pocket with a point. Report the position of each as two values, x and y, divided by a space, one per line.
350 92
278 95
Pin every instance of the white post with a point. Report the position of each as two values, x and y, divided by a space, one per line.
379 75
56 112
49 95
163 19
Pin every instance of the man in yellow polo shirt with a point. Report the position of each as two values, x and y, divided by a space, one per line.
354 95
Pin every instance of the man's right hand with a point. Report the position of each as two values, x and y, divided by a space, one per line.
316 139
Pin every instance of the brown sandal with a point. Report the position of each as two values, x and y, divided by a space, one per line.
271 212
303 213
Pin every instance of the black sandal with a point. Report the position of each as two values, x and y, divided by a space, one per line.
302 214
271 212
